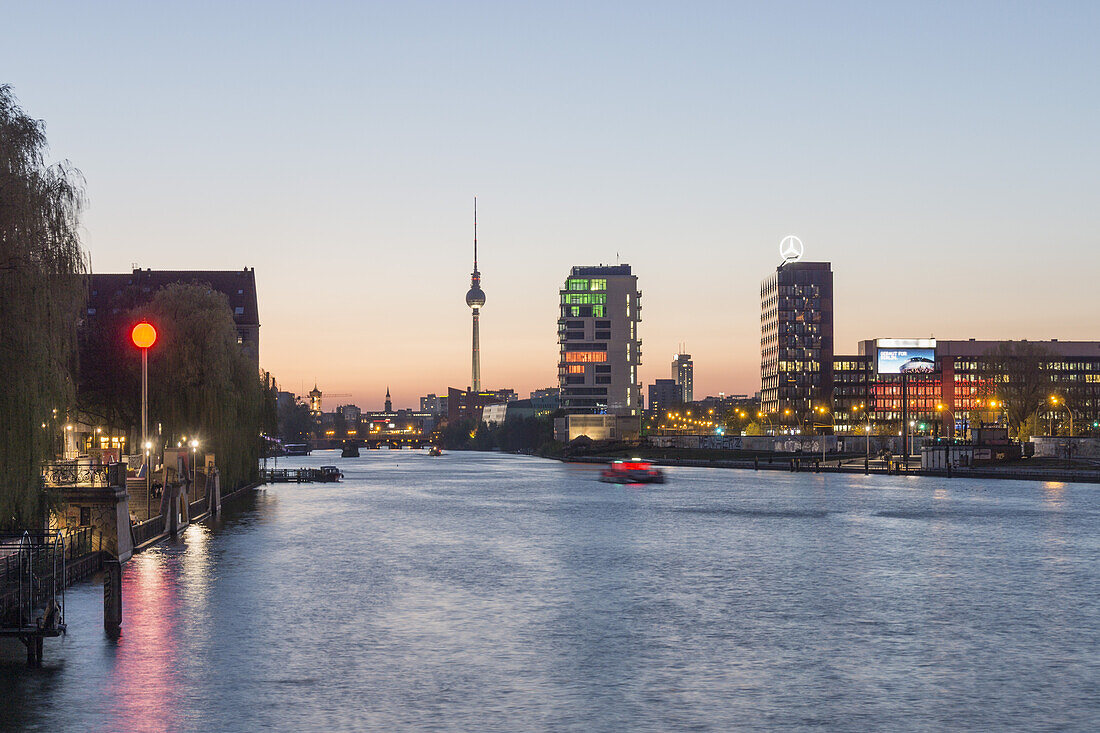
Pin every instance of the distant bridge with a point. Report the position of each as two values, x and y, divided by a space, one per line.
377 440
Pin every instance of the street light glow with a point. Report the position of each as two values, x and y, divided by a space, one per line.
143 335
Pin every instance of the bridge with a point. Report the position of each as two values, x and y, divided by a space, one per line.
393 440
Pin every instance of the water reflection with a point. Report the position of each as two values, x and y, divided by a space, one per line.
493 592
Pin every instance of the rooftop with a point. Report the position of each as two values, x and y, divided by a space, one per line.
595 270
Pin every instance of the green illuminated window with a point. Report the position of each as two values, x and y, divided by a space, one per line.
583 299
598 284
597 311
576 284
575 311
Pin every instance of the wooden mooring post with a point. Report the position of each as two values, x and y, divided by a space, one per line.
112 596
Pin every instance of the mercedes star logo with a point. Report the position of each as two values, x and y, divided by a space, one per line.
790 249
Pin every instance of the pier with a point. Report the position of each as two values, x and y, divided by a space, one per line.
322 475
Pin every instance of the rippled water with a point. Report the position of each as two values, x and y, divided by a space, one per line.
493 592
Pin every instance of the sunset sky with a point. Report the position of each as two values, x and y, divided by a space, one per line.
945 157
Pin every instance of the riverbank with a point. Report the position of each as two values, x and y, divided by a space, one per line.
807 463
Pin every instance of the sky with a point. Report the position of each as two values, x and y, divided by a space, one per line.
944 157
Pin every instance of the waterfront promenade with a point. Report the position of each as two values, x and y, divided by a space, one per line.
482 591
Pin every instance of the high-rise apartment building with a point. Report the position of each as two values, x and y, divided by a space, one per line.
683 373
796 339
598 335
663 393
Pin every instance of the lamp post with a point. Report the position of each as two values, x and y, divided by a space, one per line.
761 413
1056 400
943 408
823 411
144 336
194 450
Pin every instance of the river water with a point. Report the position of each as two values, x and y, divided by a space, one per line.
494 592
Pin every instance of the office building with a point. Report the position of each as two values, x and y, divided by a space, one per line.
796 339
432 404
663 393
948 387
683 374
599 346
463 404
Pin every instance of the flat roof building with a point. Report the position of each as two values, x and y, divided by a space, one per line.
951 386
600 351
683 374
796 338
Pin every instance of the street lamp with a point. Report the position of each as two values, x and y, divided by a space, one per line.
1056 400
761 413
825 411
144 336
194 449
943 408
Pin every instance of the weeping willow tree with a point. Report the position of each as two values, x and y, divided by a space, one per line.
200 383
41 293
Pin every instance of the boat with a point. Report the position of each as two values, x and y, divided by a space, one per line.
330 474
297 449
632 472
435 451
350 450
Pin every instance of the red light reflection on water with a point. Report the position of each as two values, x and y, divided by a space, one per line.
146 664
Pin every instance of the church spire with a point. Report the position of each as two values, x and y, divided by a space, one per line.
389 404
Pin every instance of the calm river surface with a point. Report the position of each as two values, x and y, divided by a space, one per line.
495 592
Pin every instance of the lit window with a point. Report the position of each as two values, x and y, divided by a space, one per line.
575 369
586 357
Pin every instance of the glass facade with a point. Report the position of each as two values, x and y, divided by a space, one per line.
796 339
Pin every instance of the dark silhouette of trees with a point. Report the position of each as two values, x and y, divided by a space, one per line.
204 385
41 294
295 423
1016 373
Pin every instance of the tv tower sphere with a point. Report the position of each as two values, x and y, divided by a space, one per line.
475 297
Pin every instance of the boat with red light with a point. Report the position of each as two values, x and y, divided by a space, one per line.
632 472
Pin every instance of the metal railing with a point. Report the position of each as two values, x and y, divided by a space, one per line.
74 473
33 576
142 532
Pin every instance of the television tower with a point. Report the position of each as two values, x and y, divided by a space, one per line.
475 298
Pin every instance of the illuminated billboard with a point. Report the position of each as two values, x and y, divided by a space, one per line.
905 356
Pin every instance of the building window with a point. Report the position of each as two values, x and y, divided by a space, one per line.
575 369
598 284
239 310
586 357
576 284
85 516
